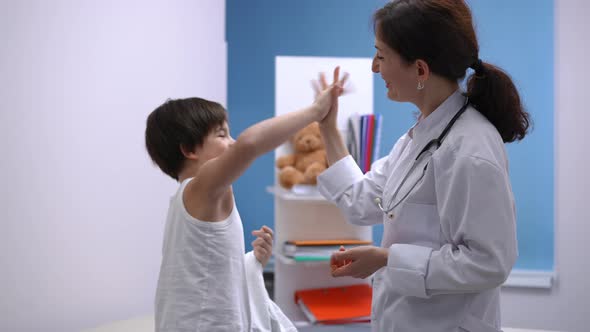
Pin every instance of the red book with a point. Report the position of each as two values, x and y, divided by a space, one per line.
336 305
369 142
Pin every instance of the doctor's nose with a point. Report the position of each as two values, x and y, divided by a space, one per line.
375 65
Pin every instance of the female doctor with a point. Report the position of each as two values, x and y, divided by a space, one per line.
443 192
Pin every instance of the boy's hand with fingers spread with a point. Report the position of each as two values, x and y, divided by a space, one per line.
328 95
263 244
321 84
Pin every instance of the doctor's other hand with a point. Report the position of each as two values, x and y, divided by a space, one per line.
359 262
263 244
334 264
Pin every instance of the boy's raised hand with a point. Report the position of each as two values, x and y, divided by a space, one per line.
329 94
321 84
263 244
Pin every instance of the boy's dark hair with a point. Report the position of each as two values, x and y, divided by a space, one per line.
176 123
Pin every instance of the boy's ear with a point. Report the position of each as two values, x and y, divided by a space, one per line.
189 153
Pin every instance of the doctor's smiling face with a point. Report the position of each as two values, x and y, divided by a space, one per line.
400 77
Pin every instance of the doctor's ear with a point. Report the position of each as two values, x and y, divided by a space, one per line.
422 70
189 153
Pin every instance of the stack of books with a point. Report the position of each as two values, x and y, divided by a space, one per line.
319 250
336 305
364 135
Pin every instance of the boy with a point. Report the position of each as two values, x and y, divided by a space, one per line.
202 284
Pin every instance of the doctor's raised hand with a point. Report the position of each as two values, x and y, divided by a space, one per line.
335 148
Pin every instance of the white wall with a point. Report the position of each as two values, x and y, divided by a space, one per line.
567 306
81 206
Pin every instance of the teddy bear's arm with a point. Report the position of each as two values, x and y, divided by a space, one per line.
312 172
289 176
286 160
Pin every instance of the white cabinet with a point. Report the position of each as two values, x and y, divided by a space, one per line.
300 217
311 217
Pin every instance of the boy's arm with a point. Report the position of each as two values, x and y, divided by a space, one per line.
216 175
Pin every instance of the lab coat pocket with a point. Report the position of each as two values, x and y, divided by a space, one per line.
417 224
474 324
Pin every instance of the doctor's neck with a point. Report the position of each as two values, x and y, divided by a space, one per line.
436 90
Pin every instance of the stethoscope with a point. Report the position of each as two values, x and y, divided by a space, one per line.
436 143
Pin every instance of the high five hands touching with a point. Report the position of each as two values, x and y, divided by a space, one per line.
321 86
327 95
263 244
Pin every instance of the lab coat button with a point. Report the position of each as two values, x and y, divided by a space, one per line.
391 215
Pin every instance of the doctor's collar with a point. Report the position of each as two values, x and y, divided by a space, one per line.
439 116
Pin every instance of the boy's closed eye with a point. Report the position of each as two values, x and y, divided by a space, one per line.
222 132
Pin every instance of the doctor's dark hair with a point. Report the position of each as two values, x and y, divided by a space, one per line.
441 33
176 123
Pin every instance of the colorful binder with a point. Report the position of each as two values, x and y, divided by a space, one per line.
343 242
318 250
336 305
363 139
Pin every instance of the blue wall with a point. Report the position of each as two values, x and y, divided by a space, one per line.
516 35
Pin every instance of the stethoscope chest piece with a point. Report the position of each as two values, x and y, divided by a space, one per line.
390 215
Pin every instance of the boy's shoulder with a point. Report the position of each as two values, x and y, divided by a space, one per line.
205 207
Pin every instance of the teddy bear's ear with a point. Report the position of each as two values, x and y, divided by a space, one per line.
315 126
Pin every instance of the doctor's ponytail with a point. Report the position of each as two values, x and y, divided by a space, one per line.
441 33
492 92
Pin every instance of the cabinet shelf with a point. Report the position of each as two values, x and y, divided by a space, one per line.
310 196
290 261
306 215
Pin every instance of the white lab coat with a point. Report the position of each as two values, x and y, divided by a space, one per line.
452 241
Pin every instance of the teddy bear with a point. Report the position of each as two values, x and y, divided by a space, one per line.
307 162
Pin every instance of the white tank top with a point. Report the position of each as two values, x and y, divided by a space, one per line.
202 285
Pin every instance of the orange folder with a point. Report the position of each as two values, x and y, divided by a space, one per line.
329 242
336 305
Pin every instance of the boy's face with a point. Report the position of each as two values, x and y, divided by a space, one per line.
216 142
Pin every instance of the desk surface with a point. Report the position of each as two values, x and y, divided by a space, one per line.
146 324
367 328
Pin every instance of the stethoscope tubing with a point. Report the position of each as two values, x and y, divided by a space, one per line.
433 142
